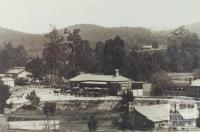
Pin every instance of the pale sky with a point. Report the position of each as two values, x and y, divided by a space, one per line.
36 16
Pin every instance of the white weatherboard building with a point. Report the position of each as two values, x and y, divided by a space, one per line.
176 114
17 72
8 81
116 82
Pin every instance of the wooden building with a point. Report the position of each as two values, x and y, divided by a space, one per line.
140 88
110 84
176 114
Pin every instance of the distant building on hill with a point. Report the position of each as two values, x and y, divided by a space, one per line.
116 84
153 48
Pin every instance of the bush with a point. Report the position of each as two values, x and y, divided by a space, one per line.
49 108
33 98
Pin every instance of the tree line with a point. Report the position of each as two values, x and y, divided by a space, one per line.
66 55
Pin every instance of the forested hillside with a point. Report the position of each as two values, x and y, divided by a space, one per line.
33 43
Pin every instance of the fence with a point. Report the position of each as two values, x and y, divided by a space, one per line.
35 125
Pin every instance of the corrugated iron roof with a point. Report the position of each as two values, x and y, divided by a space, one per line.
15 71
155 113
94 77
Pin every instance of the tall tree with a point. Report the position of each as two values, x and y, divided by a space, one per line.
81 57
114 55
4 96
37 68
183 47
161 81
52 52
11 56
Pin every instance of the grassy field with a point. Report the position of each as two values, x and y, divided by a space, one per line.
74 115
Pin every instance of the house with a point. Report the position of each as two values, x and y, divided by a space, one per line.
114 84
181 82
151 117
153 47
8 81
140 88
3 123
181 79
193 90
18 72
161 116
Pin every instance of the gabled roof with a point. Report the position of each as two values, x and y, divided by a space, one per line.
155 113
7 79
161 112
176 75
195 82
15 70
99 78
190 113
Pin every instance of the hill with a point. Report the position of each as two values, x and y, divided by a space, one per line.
93 33
131 35
32 42
194 28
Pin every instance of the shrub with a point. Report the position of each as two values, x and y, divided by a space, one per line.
49 108
33 98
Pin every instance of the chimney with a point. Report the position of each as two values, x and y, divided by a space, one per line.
116 72
81 73
190 81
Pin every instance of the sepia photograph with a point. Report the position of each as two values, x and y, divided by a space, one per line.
99 66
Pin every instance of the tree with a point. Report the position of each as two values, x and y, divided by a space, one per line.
92 124
161 81
33 98
4 96
11 57
37 68
81 56
114 55
183 50
53 52
125 118
127 96
99 57
49 108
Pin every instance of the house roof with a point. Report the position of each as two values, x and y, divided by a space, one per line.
15 70
189 113
155 113
2 75
195 82
181 74
99 78
7 79
93 82
161 112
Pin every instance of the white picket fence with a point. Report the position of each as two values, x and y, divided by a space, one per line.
35 125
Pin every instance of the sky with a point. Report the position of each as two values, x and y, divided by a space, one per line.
36 16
